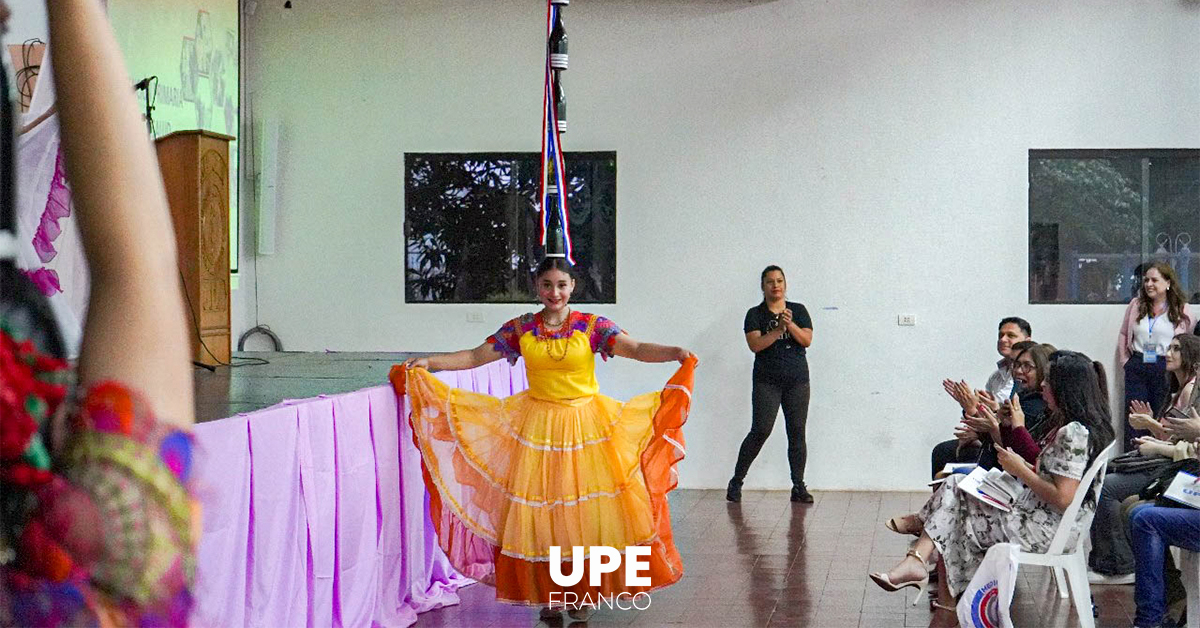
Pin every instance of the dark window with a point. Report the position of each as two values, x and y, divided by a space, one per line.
1096 216
471 226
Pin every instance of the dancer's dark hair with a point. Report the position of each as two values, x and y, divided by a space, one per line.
554 263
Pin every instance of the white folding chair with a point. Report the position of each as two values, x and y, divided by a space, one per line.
1073 560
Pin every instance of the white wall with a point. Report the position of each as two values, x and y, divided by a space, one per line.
877 151
27 21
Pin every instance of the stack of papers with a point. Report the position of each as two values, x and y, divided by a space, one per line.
993 487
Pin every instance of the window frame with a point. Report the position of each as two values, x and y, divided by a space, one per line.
569 157
1147 253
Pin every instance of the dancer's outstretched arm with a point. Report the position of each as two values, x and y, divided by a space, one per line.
135 331
627 347
457 361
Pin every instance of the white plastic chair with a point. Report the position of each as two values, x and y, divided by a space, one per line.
1073 560
1189 565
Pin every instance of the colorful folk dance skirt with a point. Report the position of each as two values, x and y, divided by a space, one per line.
509 478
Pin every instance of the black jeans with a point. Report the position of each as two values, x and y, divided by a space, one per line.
766 399
1144 381
947 452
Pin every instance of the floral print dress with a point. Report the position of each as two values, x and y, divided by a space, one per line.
964 528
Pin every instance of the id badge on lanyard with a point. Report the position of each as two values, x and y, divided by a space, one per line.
1150 352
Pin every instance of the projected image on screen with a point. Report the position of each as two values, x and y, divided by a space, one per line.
191 46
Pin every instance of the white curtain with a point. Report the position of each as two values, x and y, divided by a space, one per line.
47 234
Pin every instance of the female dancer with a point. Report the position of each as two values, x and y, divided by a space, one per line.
556 465
958 531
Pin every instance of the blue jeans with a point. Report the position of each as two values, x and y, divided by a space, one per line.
1154 529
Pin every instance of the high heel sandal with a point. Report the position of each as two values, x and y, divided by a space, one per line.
886 583
939 606
893 524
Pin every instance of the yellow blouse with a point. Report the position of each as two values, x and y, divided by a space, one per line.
560 365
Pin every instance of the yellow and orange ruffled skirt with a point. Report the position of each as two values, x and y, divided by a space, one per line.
509 478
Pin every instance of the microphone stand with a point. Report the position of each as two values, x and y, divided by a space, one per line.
141 85
148 114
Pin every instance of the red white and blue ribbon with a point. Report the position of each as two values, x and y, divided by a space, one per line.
553 196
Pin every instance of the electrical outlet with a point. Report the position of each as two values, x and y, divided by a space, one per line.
474 316
906 320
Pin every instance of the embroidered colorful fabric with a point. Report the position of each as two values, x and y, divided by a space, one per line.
107 537
604 337
34 385
507 339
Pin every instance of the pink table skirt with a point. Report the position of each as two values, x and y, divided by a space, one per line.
315 512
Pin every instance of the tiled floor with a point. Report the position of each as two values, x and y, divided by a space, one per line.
767 562
764 562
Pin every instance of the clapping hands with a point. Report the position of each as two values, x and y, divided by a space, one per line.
988 399
963 394
1181 428
1140 407
1142 421
984 422
964 434
1141 417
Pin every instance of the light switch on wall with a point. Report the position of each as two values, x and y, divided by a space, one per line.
906 320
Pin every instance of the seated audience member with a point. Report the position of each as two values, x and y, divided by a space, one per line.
1000 386
1019 422
956 530
97 524
1155 528
1111 559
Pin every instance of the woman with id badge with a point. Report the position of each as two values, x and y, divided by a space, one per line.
1153 318
778 332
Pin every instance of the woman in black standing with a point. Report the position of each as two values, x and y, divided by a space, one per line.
778 332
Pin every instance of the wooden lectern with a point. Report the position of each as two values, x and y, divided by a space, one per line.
195 171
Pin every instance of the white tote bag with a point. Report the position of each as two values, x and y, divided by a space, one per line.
986 600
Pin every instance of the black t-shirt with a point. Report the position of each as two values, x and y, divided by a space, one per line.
783 360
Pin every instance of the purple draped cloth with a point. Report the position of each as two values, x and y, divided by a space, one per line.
315 512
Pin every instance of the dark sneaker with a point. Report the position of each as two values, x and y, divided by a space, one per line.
734 492
801 494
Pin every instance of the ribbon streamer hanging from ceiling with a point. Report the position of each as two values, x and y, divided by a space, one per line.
555 219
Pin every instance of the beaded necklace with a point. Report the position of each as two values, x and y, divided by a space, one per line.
544 336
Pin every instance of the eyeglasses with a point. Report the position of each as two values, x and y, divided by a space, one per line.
1023 366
